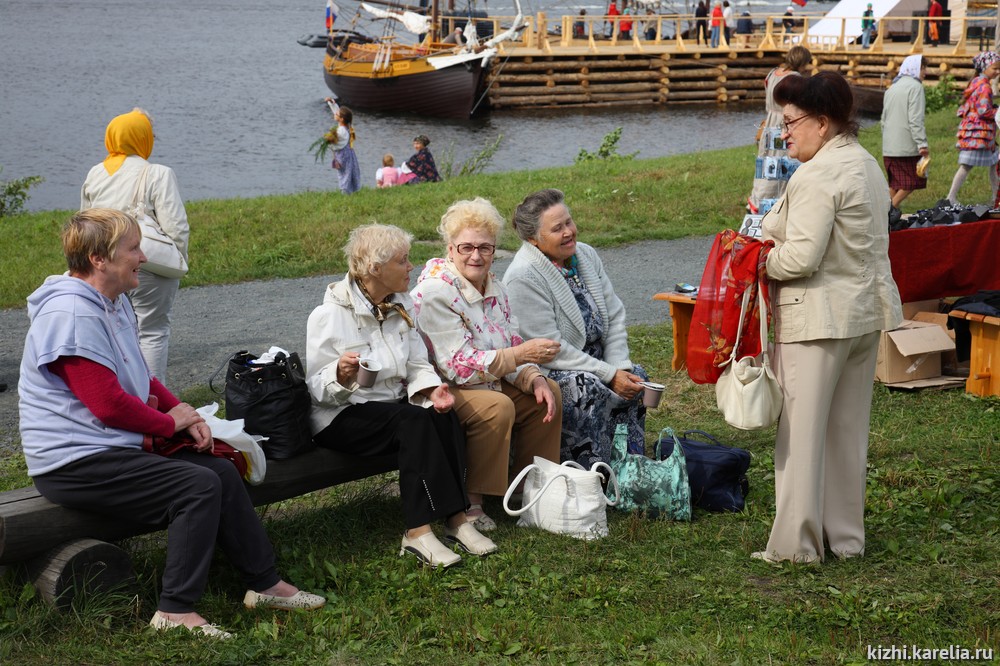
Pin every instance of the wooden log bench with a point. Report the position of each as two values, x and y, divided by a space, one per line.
67 552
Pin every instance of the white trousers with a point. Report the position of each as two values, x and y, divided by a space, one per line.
821 451
152 301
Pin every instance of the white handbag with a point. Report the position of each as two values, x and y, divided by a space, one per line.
748 393
564 499
163 257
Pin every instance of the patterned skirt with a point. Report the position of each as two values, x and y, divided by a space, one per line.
349 171
903 173
977 157
591 410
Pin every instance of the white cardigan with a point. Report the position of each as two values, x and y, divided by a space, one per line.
546 308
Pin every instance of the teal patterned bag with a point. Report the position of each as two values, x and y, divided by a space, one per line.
659 488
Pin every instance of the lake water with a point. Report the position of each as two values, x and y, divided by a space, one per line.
237 102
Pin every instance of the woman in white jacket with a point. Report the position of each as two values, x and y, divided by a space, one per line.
112 184
368 315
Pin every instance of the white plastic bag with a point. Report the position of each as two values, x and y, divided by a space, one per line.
232 433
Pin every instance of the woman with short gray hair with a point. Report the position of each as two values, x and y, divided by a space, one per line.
407 410
559 291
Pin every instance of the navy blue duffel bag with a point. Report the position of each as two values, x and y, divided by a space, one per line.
717 473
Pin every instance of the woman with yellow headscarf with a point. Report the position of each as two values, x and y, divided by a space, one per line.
113 184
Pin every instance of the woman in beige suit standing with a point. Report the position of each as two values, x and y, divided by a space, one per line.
833 293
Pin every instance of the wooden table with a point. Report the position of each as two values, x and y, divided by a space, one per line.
985 331
681 310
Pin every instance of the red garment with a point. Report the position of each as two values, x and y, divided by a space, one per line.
734 266
716 16
97 387
613 10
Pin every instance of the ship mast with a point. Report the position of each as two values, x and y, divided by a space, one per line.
434 21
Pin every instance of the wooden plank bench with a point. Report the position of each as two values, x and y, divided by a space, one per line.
985 348
68 551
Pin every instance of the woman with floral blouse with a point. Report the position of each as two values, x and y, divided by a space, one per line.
501 397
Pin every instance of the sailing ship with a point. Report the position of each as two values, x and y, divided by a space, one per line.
429 77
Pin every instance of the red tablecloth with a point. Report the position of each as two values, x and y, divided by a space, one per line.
945 261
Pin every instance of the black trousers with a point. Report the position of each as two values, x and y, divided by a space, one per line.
200 498
431 448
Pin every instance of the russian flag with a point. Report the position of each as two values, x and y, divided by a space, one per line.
331 13
800 3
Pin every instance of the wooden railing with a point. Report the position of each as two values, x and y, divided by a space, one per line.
678 31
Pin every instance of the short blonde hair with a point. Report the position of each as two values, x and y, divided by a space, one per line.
94 231
478 214
372 245
388 160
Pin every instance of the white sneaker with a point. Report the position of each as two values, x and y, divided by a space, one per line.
429 550
469 539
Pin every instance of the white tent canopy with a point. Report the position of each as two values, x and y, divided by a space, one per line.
892 16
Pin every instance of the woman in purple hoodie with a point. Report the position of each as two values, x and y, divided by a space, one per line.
88 403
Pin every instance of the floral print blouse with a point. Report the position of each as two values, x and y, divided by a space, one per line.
462 328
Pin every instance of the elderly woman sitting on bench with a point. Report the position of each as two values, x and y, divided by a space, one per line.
88 402
406 409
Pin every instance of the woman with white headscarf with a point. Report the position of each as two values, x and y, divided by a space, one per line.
904 138
977 129
112 184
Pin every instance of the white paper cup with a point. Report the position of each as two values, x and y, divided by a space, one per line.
368 372
651 393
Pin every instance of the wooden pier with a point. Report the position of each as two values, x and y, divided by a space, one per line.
547 69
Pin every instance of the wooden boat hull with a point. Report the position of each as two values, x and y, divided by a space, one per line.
411 86
868 100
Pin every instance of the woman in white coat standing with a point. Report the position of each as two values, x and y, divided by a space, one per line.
112 184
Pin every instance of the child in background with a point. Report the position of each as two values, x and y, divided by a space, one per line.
387 175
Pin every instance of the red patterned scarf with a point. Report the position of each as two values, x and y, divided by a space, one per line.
732 268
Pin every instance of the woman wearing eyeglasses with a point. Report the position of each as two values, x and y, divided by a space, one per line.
832 293
559 290
502 399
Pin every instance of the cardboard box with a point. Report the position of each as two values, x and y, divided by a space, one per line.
913 307
949 361
911 352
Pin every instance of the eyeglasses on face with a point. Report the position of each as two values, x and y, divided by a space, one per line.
485 249
788 125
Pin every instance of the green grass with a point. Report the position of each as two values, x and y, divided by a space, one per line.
652 592
614 202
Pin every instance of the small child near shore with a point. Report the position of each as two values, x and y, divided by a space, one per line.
387 175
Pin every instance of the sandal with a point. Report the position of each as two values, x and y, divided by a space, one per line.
480 520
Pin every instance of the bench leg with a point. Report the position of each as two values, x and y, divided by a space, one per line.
80 566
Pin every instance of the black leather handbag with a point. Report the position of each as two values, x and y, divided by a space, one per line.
717 473
273 401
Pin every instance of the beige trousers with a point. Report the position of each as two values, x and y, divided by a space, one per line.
821 452
496 421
